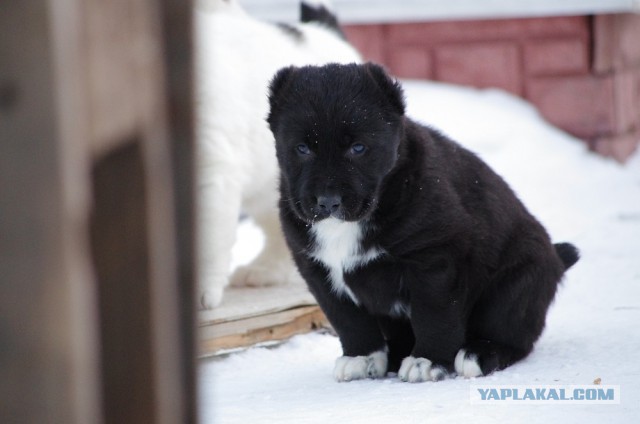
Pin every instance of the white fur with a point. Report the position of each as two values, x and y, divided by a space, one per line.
468 367
338 248
349 368
236 57
417 370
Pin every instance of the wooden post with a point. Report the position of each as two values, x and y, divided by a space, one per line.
178 60
48 320
96 281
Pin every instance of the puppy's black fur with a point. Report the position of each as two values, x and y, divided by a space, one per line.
461 263
321 15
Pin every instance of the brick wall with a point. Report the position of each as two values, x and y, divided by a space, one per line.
582 72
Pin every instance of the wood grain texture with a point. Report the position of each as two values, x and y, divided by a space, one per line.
272 327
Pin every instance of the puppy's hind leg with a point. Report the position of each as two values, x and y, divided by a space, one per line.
507 320
482 357
274 265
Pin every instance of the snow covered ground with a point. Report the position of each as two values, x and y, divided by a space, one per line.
592 329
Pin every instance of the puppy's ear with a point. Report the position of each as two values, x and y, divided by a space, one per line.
277 89
391 88
278 84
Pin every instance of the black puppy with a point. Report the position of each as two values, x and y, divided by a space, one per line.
422 258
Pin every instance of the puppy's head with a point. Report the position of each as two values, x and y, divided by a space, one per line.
337 131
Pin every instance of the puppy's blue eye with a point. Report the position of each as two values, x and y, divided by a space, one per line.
303 149
358 149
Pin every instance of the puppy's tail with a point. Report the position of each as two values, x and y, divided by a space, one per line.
319 11
568 253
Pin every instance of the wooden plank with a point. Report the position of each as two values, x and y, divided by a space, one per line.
276 326
248 316
246 302
176 18
145 295
83 99
112 48
121 257
48 344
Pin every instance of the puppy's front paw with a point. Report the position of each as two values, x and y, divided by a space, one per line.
417 370
349 368
211 297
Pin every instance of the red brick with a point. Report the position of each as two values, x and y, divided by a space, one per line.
629 37
627 100
589 106
557 56
480 65
368 39
620 147
583 105
497 29
604 43
616 42
410 62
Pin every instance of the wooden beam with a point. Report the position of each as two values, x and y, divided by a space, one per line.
177 35
48 320
145 279
85 87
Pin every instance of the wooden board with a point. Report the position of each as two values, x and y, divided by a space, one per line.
249 316
96 232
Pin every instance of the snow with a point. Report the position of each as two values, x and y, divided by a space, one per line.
592 328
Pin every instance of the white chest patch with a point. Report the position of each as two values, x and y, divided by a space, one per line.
338 247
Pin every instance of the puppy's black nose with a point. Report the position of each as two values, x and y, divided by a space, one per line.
329 204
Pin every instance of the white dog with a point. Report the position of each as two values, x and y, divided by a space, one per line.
236 163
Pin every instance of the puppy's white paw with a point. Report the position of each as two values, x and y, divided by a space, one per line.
467 365
349 368
417 370
210 295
